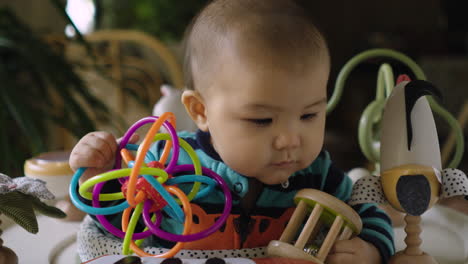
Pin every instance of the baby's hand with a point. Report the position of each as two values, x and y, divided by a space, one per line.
355 250
96 151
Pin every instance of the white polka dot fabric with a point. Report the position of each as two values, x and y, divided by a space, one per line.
367 190
454 182
93 243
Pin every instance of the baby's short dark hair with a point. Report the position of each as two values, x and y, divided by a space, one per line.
279 30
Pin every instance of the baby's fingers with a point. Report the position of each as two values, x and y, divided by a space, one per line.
90 157
341 252
95 150
344 246
355 250
340 258
133 139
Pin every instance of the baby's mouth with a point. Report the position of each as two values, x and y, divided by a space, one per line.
285 164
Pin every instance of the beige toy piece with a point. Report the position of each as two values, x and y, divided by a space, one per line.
324 210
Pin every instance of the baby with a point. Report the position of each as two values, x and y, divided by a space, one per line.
257 73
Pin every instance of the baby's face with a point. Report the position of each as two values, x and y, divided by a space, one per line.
267 122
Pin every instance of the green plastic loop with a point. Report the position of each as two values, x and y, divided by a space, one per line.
368 141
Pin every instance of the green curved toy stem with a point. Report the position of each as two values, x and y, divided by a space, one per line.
368 142
460 146
385 81
351 64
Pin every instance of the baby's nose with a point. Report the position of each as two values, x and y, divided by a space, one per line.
286 140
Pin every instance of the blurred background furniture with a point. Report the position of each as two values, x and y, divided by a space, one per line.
125 69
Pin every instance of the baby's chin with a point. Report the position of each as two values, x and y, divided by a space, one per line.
269 180
271 176
279 177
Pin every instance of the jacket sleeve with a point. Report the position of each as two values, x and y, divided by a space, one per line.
377 227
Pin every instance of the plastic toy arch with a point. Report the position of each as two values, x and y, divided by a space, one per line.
373 112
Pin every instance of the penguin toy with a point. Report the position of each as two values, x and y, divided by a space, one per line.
411 176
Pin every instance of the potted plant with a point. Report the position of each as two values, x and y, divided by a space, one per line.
20 198
38 87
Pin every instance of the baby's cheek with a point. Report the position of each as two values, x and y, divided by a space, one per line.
244 161
311 151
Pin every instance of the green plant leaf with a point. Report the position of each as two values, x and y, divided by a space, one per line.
18 207
22 117
45 209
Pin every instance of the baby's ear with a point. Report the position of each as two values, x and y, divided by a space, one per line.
195 107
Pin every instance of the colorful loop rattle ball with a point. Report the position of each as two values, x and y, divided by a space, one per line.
148 188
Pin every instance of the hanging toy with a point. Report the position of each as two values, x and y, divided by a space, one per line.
411 178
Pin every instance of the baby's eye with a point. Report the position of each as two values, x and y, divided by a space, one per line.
261 121
306 117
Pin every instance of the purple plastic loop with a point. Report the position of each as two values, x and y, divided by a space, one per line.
202 234
111 228
135 127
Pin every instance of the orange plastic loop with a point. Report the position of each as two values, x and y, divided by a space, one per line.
145 145
187 226
126 155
